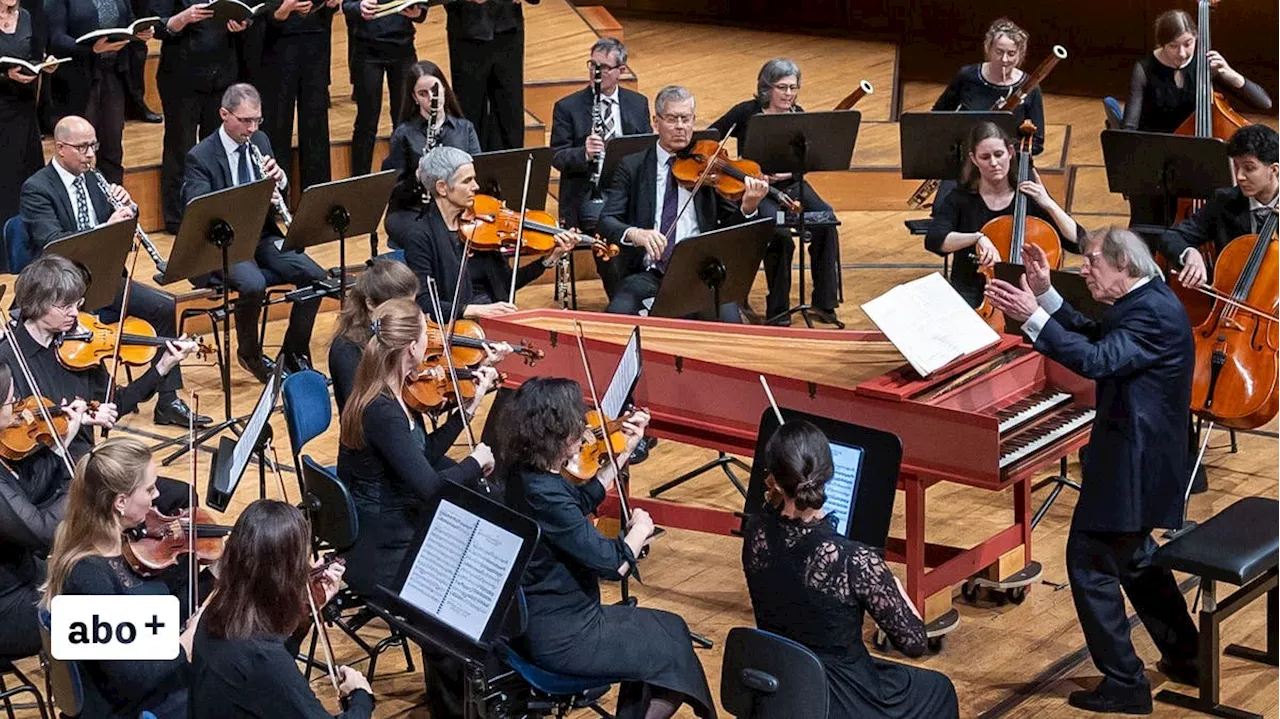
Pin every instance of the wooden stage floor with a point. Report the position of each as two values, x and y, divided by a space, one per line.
1015 660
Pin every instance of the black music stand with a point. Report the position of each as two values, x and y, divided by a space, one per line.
501 174
218 230
231 457
1171 167
933 143
99 253
336 210
801 142
708 271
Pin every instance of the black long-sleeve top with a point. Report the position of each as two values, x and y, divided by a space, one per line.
31 505
1157 104
344 358
317 22
59 383
1223 218
258 677
738 117
202 55
964 210
386 37
27 42
407 143
969 90
122 688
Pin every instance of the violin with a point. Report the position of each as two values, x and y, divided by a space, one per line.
94 341
1010 233
316 573
30 430
467 344
1236 345
606 437
726 175
157 543
490 225
431 389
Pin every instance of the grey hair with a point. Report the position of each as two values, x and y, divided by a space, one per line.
441 164
671 93
50 281
613 46
1124 250
238 94
771 72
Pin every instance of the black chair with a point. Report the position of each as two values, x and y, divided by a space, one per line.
335 526
766 676
1239 545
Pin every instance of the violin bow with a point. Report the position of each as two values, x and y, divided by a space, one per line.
446 336
39 395
524 206
772 402
706 172
322 632
624 508
1213 292
193 586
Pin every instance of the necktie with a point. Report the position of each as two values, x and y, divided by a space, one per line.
606 111
1259 217
670 200
244 175
82 205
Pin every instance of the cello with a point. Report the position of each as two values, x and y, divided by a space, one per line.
1213 117
1236 346
1011 233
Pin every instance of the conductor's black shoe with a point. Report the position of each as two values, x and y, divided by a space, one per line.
1096 701
256 366
176 412
1181 672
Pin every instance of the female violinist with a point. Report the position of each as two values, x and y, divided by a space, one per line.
777 91
387 458
433 244
432 117
569 630
113 491
986 191
254 623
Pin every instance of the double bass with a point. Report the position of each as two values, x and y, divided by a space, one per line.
1213 117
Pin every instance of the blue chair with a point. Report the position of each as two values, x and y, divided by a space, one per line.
394 255
767 676
307 409
1115 113
17 245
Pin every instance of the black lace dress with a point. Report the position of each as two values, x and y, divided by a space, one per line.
811 585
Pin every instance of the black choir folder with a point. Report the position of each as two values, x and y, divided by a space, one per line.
459 578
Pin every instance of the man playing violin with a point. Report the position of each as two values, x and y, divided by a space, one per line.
642 206
433 244
64 198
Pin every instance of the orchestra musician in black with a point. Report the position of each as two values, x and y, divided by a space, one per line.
380 47
486 57
416 134
20 150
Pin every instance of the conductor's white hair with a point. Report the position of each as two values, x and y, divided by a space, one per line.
441 163
1124 250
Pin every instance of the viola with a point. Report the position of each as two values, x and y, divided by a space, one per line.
30 430
728 176
1236 345
157 543
490 225
468 343
94 341
1011 233
607 438
431 389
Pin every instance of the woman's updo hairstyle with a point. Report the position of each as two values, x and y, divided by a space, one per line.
798 458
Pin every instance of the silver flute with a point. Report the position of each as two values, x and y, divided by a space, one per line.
139 234
277 199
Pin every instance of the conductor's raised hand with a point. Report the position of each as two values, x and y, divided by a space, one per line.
1036 265
1017 303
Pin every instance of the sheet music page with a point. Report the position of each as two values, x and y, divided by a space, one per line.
628 369
245 444
929 323
460 569
843 487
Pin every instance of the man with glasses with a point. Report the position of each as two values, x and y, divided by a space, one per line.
643 205
66 197
227 158
576 144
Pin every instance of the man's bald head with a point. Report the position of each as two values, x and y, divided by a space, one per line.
75 144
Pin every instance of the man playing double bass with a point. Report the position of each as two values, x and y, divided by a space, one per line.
1142 358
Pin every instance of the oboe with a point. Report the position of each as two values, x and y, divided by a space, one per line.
277 199
139 234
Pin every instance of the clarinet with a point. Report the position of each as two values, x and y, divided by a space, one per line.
277 200
597 127
433 115
139 234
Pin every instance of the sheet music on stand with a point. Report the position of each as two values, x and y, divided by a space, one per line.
624 378
929 323
460 570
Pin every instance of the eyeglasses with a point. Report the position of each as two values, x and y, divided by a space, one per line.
787 88
1088 257
248 120
677 119
73 307
84 148
592 65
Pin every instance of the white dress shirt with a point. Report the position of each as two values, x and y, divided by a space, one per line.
69 182
232 149
1051 302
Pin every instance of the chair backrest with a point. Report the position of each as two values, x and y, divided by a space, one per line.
767 676
333 511
64 676
1115 113
17 245
307 409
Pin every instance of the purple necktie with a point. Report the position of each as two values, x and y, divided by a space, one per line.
670 200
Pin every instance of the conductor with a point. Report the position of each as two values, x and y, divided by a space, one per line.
1135 472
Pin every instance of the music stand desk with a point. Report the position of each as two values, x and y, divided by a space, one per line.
99 253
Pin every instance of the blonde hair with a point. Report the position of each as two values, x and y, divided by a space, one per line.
1004 27
396 324
116 467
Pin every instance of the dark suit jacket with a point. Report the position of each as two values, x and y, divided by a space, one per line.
47 209
570 127
1223 218
1142 357
207 170
202 57
68 20
431 249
